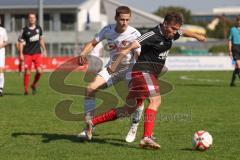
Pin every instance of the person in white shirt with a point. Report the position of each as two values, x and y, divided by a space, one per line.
3 43
117 35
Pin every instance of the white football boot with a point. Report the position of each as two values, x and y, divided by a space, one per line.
83 133
148 142
132 133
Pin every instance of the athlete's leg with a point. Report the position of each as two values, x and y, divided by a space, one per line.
1 80
102 80
136 117
142 86
236 57
37 60
150 114
89 99
146 85
235 72
115 113
127 110
27 72
2 64
134 99
238 66
149 119
111 115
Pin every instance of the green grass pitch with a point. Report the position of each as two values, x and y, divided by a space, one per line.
30 130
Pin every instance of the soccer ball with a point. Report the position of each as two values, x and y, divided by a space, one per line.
202 140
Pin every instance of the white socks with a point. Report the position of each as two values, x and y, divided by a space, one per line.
89 107
1 80
136 117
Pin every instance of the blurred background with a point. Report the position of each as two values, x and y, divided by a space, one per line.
68 24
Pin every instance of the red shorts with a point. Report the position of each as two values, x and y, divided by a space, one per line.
35 59
143 85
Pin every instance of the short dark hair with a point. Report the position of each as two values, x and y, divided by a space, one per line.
123 10
174 17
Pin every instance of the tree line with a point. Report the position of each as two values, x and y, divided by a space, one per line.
220 31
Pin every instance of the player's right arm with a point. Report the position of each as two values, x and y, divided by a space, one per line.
124 51
86 50
21 41
133 45
91 44
21 57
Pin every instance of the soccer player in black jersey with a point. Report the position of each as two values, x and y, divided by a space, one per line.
30 51
155 45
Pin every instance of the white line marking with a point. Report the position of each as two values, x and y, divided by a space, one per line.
199 79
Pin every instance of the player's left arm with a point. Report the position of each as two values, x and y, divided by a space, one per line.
42 43
124 51
197 36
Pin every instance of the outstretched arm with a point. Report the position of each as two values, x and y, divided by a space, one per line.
197 36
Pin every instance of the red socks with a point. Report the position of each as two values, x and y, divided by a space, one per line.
107 116
27 79
149 119
26 82
36 79
111 115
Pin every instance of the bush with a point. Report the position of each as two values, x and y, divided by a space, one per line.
175 50
219 49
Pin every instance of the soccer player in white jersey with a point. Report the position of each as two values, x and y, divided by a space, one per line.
118 35
3 43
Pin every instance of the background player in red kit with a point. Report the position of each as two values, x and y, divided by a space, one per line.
155 46
31 43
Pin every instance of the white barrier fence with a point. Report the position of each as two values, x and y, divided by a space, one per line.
199 63
196 63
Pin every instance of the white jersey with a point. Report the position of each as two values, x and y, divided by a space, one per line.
3 38
118 40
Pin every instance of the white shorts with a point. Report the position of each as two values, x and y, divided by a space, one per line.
116 77
2 60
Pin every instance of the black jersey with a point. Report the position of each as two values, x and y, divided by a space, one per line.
31 37
154 51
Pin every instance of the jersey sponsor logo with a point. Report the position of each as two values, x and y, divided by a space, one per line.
34 38
124 43
163 55
115 45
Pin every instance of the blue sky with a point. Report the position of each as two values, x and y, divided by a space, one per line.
196 6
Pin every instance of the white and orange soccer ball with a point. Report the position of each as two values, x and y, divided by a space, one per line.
202 140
